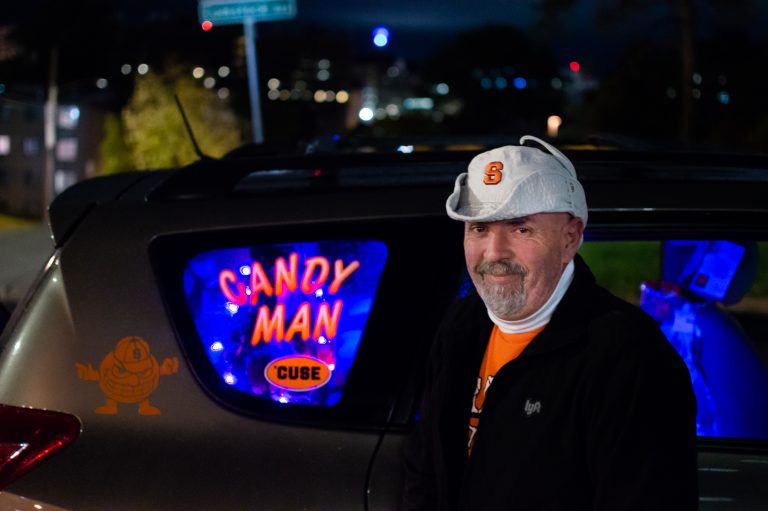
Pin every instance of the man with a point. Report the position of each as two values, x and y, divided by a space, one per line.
546 392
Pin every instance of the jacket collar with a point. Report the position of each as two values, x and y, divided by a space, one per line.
567 325
570 319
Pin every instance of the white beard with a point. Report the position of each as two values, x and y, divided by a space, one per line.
505 301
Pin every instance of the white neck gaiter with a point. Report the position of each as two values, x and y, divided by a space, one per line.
541 316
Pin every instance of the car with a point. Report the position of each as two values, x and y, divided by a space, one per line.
252 331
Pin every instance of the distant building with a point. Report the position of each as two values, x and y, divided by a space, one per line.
23 154
22 158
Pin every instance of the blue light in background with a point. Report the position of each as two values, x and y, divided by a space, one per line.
723 97
380 36
520 83
728 378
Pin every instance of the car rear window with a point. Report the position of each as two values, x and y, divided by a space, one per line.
324 323
283 321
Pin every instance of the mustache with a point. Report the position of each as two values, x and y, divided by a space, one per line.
501 268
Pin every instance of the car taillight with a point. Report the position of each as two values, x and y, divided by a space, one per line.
29 436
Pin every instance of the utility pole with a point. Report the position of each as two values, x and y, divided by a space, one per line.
49 134
247 12
257 127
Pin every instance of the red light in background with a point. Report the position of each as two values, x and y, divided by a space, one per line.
575 66
207 25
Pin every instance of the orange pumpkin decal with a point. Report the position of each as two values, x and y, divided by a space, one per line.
128 374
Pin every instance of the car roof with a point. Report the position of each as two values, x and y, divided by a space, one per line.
616 182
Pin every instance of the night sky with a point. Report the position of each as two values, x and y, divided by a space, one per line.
447 16
418 27
424 14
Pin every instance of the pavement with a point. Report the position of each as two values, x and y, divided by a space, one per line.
23 253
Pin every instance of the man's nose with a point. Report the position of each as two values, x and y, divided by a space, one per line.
498 247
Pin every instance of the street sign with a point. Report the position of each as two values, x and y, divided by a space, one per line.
249 13
230 12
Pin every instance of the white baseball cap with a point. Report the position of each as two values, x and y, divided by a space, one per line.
516 181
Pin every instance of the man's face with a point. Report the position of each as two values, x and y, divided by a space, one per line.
516 264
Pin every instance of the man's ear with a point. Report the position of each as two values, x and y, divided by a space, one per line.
573 231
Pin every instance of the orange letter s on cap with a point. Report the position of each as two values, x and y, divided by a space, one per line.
493 173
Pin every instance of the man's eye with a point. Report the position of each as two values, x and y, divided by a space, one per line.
523 230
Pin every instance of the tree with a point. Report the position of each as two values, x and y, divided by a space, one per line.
115 155
154 129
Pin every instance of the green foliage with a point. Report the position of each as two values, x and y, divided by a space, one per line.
154 130
13 222
621 266
115 155
760 287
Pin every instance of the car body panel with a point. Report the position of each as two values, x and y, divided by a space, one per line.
199 452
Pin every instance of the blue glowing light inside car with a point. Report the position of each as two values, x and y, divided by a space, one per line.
728 377
284 321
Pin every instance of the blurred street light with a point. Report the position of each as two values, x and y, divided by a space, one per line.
366 114
553 125
380 37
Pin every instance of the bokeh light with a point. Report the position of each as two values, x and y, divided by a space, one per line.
380 36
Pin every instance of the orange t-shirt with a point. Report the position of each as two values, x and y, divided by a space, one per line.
501 349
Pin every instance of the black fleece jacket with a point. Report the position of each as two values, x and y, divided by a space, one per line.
597 413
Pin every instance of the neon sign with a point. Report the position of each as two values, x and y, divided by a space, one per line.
315 274
297 373
284 321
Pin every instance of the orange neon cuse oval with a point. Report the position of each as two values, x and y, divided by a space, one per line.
284 321
297 373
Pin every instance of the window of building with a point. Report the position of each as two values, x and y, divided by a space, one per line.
66 149
63 179
5 145
31 146
68 117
